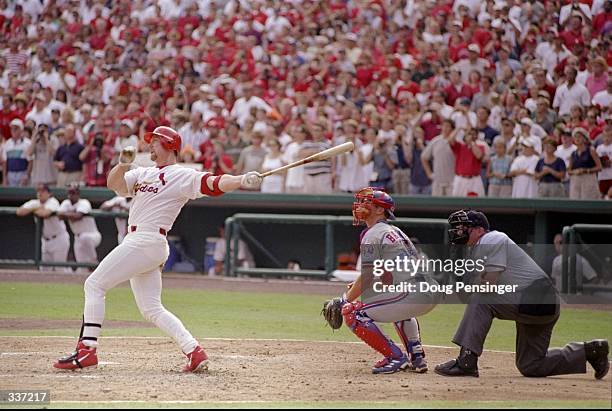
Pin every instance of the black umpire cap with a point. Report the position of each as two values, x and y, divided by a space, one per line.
472 218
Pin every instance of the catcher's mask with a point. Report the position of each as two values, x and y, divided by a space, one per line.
461 221
366 199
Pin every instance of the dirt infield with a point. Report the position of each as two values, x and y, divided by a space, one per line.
147 369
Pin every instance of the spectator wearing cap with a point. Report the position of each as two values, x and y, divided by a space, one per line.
55 241
14 156
441 171
76 211
571 93
41 153
97 157
498 170
598 79
550 172
7 114
67 160
469 157
40 113
473 62
583 168
604 151
522 171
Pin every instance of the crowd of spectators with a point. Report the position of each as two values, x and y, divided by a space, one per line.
507 98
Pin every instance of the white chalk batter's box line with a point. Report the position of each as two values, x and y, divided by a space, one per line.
286 340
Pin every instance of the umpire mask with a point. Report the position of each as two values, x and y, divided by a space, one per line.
461 221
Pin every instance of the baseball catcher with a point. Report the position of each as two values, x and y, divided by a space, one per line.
382 240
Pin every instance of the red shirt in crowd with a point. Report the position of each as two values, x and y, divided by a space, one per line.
6 116
208 163
466 163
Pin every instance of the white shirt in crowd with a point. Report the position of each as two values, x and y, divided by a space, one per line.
525 186
109 89
295 176
40 117
565 153
121 143
242 108
602 99
50 80
193 138
568 97
605 150
85 225
52 226
273 183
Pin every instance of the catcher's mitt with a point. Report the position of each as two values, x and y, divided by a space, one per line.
332 311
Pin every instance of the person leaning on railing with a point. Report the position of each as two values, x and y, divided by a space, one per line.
583 169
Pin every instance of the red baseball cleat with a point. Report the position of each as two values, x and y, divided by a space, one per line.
197 360
83 357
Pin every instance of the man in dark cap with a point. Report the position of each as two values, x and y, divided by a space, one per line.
534 307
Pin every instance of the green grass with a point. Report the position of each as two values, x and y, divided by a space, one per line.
259 315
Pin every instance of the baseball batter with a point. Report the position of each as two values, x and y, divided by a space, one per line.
382 240
158 195
55 241
534 308
87 238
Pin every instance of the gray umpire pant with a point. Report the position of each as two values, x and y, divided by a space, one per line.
533 357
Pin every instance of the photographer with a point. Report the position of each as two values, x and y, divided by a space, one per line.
385 160
96 157
41 152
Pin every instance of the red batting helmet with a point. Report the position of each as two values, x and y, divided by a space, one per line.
169 138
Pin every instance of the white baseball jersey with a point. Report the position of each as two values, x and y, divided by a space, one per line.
85 225
160 193
52 226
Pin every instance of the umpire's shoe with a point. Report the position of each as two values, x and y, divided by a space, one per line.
597 355
464 366
83 357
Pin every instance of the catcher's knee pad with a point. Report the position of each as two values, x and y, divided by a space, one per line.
367 331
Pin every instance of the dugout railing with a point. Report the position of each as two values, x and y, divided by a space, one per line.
236 229
37 260
571 282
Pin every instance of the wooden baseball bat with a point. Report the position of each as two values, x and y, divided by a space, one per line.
323 155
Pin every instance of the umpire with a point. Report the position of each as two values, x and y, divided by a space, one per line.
534 308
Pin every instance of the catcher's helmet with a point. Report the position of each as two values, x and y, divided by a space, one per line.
461 220
368 196
170 139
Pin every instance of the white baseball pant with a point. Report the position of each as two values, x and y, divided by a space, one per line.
138 258
55 250
85 245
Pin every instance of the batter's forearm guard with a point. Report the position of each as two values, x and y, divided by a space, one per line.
205 189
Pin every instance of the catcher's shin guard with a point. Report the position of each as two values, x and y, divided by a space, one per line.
367 331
